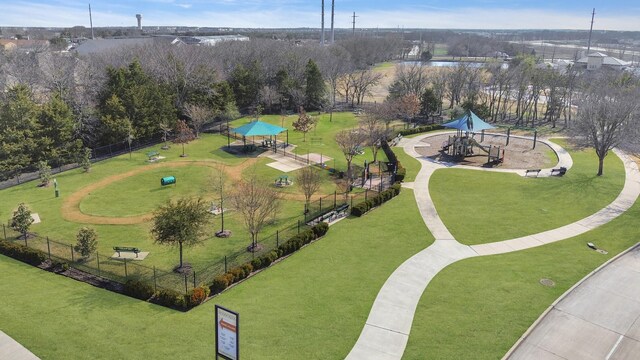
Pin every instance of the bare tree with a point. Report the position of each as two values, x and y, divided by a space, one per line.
256 202
409 106
183 135
607 115
219 182
198 115
375 132
350 142
309 180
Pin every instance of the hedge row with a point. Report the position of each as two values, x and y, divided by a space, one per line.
420 129
169 298
377 200
22 253
238 273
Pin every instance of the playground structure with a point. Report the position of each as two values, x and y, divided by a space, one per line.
462 146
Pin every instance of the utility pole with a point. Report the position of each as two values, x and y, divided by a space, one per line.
593 14
322 36
91 22
333 32
354 23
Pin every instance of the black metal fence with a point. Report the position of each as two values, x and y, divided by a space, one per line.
121 270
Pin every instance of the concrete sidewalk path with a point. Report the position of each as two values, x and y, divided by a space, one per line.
10 349
386 331
595 320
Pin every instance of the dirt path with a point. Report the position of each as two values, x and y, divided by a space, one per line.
71 206
70 209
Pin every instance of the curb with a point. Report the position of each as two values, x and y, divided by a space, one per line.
566 293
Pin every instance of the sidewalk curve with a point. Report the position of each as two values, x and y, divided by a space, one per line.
11 349
386 331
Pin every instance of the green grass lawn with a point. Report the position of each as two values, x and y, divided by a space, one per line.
481 207
321 140
409 162
141 194
479 307
312 305
384 65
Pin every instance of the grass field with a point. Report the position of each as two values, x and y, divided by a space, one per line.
478 308
312 305
480 207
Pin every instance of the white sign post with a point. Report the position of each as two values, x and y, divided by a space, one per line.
227 331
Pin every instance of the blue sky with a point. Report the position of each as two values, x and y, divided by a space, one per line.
540 14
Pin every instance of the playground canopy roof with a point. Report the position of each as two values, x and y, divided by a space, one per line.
470 122
258 128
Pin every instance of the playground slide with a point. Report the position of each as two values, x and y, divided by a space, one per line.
475 143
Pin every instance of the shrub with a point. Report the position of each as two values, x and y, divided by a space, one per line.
401 173
220 283
397 187
247 269
420 129
320 229
257 263
198 295
22 253
237 273
138 289
170 298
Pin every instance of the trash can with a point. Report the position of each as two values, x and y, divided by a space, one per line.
168 180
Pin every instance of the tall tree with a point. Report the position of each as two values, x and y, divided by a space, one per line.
19 146
608 114
375 133
58 132
304 124
21 220
315 90
180 223
350 143
246 83
257 203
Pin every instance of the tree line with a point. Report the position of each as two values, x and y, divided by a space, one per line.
57 103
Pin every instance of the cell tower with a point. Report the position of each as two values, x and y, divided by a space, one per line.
333 33
593 14
322 25
91 22
139 17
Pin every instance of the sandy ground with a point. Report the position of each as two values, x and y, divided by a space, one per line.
518 154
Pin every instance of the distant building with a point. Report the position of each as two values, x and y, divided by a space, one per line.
26 45
105 45
212 40
598 60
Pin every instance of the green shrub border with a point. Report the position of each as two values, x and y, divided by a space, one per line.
363 207
420 129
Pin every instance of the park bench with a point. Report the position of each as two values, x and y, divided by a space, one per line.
531 171
559 171
120 249
153 155
342 207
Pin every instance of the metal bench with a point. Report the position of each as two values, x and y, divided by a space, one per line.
120 249
531 171
559 171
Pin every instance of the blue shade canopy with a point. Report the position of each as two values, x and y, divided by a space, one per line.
470 122
258 128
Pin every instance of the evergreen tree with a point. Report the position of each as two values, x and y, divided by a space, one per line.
246 83
21 220
315 90
87 242
57 132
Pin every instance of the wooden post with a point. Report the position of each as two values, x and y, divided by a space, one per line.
185 284
535 138
335 199
320 204
49 249
277 238
126 273
508 136
482 136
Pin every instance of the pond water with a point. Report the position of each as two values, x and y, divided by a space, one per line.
448 63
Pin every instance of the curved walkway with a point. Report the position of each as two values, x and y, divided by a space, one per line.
386 331
11 349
